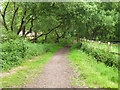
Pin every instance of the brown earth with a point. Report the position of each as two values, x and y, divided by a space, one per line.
57 73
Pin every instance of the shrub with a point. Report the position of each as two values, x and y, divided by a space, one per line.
65 42
7 36
93 74
76 46
101 55
14 52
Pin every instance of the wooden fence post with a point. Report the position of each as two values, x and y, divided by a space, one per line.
108 46
99 45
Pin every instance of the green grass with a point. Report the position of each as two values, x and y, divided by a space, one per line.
16 52
31 70
105 47
91 73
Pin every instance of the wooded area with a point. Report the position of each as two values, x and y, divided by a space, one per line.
54 20
87 31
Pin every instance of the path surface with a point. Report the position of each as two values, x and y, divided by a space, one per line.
56 73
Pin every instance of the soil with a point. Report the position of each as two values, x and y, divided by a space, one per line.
57 73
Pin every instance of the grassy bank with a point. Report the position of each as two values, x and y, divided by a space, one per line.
15 52
30 71
91 73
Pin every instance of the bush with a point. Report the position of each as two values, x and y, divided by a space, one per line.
65 42
101 55
7 36
94 74
76 46
14 52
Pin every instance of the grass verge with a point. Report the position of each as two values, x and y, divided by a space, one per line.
91 73
29 73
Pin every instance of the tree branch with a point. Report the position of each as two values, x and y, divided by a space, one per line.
3 16
57 34
63 35
30 19
46 33
22 22
30 27
5 8
58 37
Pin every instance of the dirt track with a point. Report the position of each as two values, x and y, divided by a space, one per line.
56 73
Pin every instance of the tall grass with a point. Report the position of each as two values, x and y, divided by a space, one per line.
100 54
91 73
14 52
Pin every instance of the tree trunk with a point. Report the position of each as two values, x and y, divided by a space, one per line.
23 31
22 22
3 16
13 17
57 39
31 25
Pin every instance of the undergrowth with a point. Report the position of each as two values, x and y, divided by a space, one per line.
91 73
101 56
15 50
29 73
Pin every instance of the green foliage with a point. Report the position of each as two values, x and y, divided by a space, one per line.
15 52
101 55
12 53
104 47
90 73
65 42
93 20
7 36
76 46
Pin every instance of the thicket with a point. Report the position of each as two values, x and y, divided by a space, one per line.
101 56
17 50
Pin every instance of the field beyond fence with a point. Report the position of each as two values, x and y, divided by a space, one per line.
107 47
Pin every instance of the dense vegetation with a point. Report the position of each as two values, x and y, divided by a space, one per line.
31 29
99 54
15 50
52 21
29 72
90 73
102 55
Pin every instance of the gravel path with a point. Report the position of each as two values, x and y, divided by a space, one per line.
56 73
